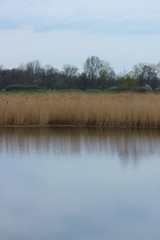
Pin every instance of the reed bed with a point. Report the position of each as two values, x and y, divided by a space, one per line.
77 109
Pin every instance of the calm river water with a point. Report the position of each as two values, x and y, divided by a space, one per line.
79 184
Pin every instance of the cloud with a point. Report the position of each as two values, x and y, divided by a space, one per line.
73 47
114 16
68 31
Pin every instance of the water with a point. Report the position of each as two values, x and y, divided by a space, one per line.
80 184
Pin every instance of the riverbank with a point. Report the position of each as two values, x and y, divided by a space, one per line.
76 109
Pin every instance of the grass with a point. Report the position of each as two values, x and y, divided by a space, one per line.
78 109
88 91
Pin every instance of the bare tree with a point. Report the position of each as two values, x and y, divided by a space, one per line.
1 67
146 74
106 75
70 71
92 68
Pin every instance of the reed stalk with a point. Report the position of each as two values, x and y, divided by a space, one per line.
100 110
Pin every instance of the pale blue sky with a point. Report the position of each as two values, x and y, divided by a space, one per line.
68 31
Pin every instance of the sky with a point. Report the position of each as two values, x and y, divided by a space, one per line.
58 32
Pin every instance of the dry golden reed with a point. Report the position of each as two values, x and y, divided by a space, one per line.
106 110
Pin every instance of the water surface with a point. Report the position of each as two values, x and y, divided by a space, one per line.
80 184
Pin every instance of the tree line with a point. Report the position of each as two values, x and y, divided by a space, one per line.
97 74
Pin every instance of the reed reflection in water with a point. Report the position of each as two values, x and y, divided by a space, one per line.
81 184
127 144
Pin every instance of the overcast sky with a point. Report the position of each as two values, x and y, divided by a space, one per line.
59 32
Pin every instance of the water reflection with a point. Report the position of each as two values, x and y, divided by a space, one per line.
79 184
128 144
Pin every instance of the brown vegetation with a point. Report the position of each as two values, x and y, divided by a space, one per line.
106 110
